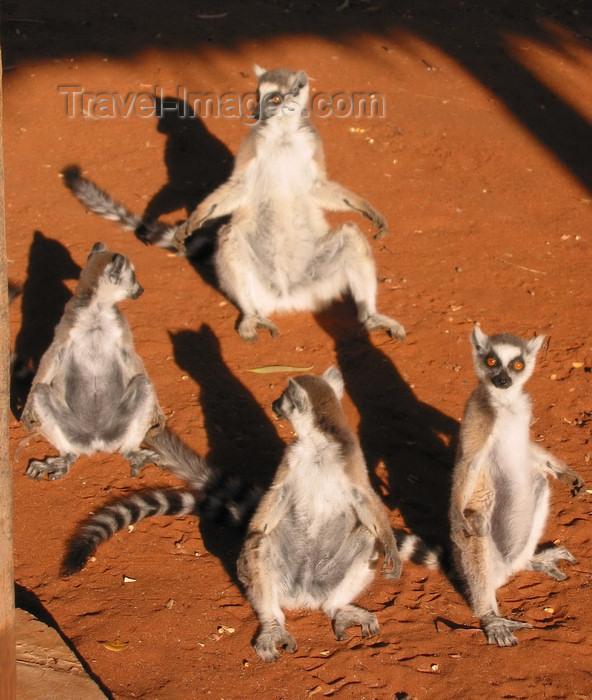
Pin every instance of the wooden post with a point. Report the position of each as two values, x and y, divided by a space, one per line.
7 625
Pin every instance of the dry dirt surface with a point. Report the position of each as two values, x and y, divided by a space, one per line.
481 164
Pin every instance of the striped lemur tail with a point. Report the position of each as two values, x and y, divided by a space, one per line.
98 201
212 494
413 548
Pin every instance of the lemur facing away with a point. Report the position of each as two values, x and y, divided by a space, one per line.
500 496
91 392
315 537
277 253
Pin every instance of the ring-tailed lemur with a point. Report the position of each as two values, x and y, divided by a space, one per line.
315 539
500 495
278 252
91 392
316 536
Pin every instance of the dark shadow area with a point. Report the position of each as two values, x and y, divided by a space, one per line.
28 601
241 437
196 161
197 164
415 441
474 34
476 37
42 304
14 291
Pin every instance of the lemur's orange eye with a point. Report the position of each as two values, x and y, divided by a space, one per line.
491 361
518 365
274 99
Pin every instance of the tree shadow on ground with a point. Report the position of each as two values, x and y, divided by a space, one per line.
479 37
27 600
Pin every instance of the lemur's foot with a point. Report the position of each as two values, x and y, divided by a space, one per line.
353 615
546 560
139 458
377 322
498 630
54 467
247 328
269 638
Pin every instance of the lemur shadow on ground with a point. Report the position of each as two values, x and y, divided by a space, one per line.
415 441
197 163
26 600
43 300
242 439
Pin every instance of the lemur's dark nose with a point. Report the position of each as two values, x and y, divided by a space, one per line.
501 380
276 407
139 290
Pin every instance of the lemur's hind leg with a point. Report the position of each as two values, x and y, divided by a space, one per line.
60 426
360 271
477 561
134 417
238 280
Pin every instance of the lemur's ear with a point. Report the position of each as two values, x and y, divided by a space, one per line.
97 248
535 344
334 379
479 339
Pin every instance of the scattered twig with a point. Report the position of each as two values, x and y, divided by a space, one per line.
528 269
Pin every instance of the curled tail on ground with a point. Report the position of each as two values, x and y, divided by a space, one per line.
213 494
99 202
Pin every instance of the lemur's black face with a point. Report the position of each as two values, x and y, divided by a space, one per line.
281 92
504 360
287 404
276 407
501 374
270 104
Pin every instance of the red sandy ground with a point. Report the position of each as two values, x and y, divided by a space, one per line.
482 167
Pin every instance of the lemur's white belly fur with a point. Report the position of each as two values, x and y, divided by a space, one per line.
280 226
521 493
